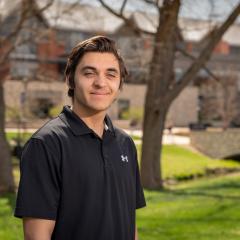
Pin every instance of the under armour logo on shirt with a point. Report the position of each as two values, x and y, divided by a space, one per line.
124 158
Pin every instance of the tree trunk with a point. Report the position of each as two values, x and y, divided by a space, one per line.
151 173
161 77
162 89
6 174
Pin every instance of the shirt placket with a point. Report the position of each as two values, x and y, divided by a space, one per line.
104 150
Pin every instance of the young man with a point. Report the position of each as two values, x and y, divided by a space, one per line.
79 173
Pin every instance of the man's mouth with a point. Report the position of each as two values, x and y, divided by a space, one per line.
99 93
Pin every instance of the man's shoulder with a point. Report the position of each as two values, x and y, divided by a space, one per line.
123 136
120 132
51 129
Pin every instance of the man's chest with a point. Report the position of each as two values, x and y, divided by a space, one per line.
93 161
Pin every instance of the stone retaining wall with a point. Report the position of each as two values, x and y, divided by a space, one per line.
217 143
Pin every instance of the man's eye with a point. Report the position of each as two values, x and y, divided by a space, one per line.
111 75
88 73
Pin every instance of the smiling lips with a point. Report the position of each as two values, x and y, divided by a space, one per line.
100 93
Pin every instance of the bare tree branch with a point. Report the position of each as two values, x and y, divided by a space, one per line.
205 54
49 4
18 27
127 21
14 39
149 19
28 9
185 53
123 6
120 15
72 6
39 34
153 2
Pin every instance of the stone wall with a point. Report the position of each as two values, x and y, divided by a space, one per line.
184 109
13 90
26 100
182 112
220 103
217 143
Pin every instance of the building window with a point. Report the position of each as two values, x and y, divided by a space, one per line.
42 108
123 108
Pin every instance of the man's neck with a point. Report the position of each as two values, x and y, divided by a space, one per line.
94 120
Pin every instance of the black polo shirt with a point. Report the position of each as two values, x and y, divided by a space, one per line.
90 186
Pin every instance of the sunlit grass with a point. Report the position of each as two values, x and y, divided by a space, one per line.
10 227
182 163
203 209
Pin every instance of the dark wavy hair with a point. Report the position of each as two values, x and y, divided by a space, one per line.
95 44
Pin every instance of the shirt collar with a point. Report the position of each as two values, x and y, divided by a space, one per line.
78 126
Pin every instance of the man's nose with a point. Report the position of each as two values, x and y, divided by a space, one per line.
100 81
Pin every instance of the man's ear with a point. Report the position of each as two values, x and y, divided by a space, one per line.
68 83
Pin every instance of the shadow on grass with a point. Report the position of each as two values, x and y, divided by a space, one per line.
220 191
208 191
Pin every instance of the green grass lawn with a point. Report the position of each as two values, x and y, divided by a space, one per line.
203 209
178 162
182 163
14 135
10 227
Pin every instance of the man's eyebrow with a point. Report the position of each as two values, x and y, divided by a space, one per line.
114 70
88 68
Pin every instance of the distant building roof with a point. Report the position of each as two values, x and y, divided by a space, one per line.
70 16
232 36
83 17
145 21
6 7
192 29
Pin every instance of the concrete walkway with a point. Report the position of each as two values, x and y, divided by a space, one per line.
28 130
167 138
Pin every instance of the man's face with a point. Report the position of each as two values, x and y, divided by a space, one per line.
97 80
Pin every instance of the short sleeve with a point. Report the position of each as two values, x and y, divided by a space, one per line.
39 187
140 199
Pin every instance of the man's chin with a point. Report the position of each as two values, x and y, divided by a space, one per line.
98 109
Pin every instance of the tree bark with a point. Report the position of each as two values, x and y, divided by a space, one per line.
28 9
151 173
162 89
160 79
6 174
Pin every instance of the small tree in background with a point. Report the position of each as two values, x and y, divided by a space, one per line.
27 10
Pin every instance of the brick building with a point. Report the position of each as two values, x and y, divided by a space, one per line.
41 62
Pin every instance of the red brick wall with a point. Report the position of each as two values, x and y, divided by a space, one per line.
49 50
222 48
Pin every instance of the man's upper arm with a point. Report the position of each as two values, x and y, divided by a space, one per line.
136 233
140 199
39 187
38 229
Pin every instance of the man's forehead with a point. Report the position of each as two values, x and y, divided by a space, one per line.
97 59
